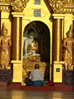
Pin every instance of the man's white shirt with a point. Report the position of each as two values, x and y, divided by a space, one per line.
36 75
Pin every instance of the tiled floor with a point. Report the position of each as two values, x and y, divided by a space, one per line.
18 94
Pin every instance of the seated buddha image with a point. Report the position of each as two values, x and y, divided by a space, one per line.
31 46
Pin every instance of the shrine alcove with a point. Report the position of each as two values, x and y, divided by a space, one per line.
41 35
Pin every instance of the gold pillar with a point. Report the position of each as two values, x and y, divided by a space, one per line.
18 35
17 38
58 27
58 35
17 46
58 39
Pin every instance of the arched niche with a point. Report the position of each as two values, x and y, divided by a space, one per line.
42 34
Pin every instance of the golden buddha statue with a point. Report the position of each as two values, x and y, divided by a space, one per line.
69 46
31 46
5 44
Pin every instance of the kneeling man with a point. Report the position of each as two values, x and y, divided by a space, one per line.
36 77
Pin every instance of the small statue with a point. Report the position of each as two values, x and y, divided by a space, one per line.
31 46
5 44
69 45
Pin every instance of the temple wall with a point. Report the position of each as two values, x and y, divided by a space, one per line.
16 22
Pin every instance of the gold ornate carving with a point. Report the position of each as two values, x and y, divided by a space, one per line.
62 6
57 6
69 7
5 5
19 5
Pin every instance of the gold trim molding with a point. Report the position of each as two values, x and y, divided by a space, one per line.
4 6
62 6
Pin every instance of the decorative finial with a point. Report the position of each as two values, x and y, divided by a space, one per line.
70 30
4 30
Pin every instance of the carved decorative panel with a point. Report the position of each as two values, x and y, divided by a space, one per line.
62 6
18 5
15 5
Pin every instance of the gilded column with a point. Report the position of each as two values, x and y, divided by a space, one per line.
57 48
17 38
58 40
17 47
57 70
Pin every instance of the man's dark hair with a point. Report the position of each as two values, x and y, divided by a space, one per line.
36 66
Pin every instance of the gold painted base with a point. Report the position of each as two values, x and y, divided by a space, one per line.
29 65
17 71
57 72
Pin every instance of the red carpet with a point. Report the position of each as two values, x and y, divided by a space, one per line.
18 86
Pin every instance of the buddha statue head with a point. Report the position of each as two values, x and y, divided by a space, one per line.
31 34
